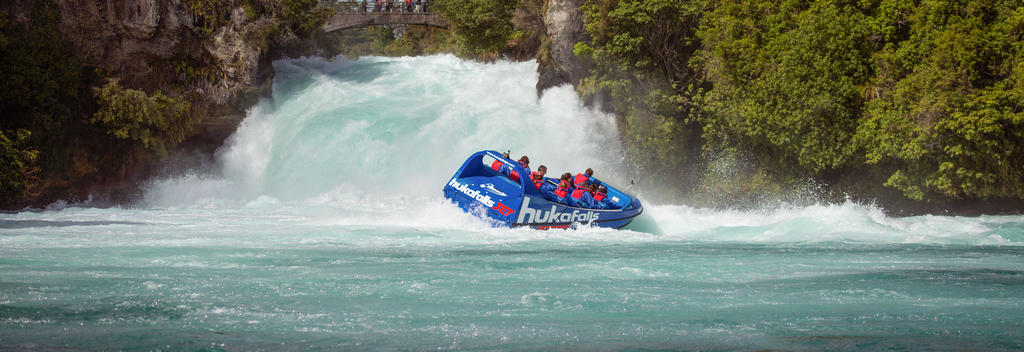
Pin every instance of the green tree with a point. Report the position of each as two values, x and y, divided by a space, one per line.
946 118
786 79
156 122
16 165
483 27
640 51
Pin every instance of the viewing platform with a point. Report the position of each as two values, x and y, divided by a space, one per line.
356 14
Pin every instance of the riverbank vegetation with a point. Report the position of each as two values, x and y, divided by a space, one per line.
924 98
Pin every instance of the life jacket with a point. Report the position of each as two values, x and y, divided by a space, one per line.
598 196
538 183
580 179
578 193
581 197
561 191
496 165
515 175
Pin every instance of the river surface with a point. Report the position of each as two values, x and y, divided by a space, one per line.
321 226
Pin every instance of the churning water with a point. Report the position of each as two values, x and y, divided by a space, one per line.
323 227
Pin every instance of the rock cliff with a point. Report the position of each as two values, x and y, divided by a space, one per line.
158 45
564 27
212 58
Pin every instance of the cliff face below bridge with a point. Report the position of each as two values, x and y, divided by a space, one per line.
157 45
564 26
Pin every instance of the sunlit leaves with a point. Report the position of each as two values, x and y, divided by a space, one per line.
157 122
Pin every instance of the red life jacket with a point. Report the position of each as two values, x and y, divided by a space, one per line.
561 192
598 196
580 179
515 175
496 165
578 193
538 183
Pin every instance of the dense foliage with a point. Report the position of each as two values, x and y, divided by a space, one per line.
946 104
642 50
16 163
923 96
157 122
303 17
40 96
483 26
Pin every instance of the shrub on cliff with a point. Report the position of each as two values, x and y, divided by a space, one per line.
640 50
156 122
483 27
16 165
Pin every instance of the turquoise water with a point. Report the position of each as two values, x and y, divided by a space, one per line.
321 227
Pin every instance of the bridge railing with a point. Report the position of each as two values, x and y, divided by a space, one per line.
367 6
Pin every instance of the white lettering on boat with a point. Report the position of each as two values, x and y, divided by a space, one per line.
472 193
529 215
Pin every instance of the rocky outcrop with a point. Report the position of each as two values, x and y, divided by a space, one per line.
217 62
158 45
564 26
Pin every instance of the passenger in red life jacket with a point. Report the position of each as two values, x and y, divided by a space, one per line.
567 177
601 200
525 162
542 170
538 180
581 196
497 164
562 190
584 177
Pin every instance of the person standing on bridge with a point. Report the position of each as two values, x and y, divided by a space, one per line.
419 6
408 5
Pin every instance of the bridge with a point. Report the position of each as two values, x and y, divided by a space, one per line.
356 14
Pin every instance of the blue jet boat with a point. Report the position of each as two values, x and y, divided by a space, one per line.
477 188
